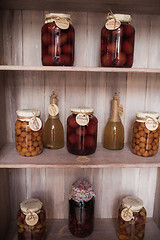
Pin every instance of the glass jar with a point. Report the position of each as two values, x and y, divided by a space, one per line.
57 36
28 132
131 219
81 209
31 220
145 139
82 131
117 41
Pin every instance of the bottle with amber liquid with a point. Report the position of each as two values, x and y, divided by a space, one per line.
114 130
53 132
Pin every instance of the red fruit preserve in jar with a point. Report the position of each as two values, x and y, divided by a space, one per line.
57 40
82 131
31 220
117 41
81 209
131 219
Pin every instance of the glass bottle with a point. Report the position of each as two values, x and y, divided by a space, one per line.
31 220
131 219
81 209
53 132
28 132
57 36
114 130
117 41
145 138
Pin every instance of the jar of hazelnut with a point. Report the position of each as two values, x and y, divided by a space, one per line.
117 41
31 220
28 132
145 141
57 40
131 219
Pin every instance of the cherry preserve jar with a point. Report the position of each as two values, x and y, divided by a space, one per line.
57 36
31 220
81 209
145 138
117 41
131 219
82 131
28 132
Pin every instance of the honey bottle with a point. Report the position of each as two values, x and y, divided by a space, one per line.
53 132
114 130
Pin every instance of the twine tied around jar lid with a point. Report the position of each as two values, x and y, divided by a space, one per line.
150 119
61 20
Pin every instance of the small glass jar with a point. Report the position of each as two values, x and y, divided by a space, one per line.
131 219
28 132
145 139
82 131
81 209
57 40
31 220
117 41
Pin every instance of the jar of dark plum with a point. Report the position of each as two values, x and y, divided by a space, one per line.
31 220
57 40
81 209
117 41
82 131
131 219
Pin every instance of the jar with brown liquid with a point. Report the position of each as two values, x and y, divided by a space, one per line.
114 130
53 132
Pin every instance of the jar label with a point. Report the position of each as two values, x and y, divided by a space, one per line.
82 119
53 110
31 218
112 24
151 123
62 23
127 214
35 124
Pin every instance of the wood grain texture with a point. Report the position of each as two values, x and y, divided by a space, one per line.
3 138
104 229
156 215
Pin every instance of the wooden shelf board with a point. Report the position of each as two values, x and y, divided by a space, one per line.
104 229
102 158
123 6
77 69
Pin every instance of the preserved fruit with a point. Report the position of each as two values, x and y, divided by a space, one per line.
81 209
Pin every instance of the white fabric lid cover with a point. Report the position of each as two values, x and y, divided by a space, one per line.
31 204
62 15
28 113
82 110
147 114
133 203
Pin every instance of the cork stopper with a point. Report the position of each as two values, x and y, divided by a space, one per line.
116 109
53 98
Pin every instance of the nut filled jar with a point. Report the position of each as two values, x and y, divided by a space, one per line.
57 36
82 131
81 209
131 219
117 41
31 220
28 132
145 141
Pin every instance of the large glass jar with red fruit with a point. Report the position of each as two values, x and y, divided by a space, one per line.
117 41
31 220
81 209
131 219
57 40
82 131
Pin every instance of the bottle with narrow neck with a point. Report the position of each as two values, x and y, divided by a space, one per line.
114 130
53 132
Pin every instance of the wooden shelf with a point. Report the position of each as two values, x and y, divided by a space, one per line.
123 6
60 158
104 229
78 69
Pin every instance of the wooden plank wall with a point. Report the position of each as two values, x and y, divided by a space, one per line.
138 91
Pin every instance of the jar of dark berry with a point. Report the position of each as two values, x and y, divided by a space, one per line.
31 220
57 40
81 209
117 41
131 219
82 131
